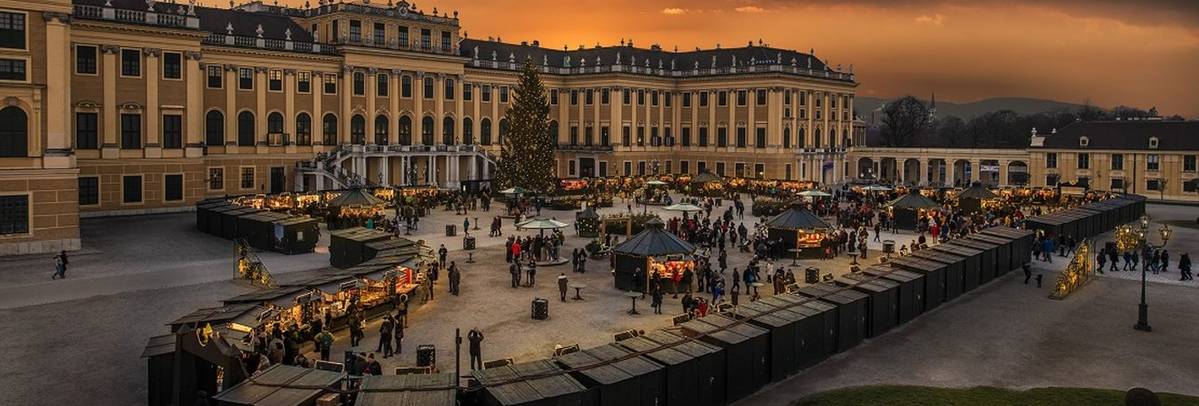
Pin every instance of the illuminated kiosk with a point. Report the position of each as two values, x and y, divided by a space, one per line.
353 207
908 209
799 228
654 250
975 198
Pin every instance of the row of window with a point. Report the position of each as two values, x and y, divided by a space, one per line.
87 130
1155 185
87 62
1152 161
666 97
379 34
214 129
245 81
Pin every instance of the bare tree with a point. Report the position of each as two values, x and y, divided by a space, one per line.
904 121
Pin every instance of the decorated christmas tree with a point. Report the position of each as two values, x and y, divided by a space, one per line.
527 152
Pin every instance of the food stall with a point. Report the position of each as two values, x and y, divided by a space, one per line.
706 184
588 222
799 228
975 198
654 250
910 208
353 207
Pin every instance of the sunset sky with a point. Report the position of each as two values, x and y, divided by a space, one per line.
1142 53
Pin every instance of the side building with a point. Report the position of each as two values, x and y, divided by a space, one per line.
119 107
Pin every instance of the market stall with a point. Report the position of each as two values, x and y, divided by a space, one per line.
815 328
706 184
347 247
282 385
910 208
704 361
654 251
799 229
414 389
353 208
746 351
975 198
851 312
911 289
588 222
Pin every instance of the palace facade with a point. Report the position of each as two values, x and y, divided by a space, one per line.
114 107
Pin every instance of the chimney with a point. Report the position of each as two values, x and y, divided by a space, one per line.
524 43
536 43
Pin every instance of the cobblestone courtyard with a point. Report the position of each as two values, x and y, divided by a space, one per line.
78 340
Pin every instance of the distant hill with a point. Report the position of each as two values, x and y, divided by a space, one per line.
1021 105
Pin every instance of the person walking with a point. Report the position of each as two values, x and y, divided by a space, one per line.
514 269
355 328
455 279
60 269
1101 259
324 341
1184 267
1027 273
476 352
562 286
531 273
656 301
1165 260
441 254
385 337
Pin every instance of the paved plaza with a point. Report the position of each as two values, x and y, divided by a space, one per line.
136 274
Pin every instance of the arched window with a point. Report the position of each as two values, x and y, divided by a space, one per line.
447 131
329 129
381 125
816 139
426 130
503 130
14 134
245 129
485 131
274 123
800 139
358 130
405 130
214 128
304 129
787 137
468 133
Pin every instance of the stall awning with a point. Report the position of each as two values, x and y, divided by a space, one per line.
280 385
705 177
977 191
654 241
797 219
914 201
356 197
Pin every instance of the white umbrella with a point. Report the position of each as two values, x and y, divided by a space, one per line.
877 188
514 191
683 207
656 183
541 224
813 193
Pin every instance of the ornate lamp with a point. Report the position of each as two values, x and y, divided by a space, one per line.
1165 232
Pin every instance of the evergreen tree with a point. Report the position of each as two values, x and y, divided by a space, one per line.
527 152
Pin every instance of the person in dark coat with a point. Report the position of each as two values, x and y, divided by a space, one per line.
1184 267
531 272
514 269
385 337
455 279
1027 273
562 286
476 353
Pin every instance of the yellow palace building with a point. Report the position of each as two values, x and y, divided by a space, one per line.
117 107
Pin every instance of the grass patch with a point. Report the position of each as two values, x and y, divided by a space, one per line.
979 396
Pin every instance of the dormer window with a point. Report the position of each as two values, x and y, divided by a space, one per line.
1084 141
1152 142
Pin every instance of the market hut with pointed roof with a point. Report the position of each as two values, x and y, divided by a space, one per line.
706 184
974 198
907 209
654 252
799 228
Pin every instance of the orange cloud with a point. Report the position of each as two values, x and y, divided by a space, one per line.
674 11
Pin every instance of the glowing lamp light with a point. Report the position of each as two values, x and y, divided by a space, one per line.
1166 232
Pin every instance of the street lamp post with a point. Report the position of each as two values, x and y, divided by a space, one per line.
1143 308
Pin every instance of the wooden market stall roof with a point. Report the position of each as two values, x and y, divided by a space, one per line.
356 197
280 385
414 389
705 177
797 218
977 191
654 241
913 201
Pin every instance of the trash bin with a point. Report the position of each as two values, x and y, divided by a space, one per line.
888 246
426 355
541 309
451 230
811 275
468 243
